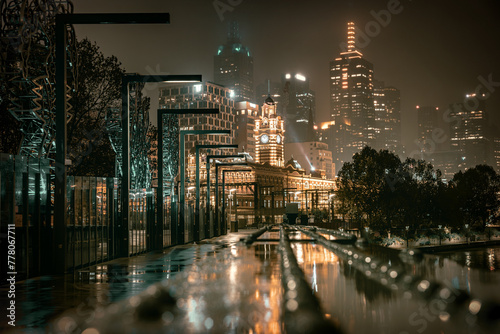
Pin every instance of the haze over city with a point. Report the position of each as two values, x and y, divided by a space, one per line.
249 166
434 52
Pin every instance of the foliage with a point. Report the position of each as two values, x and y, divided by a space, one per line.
98 89
152 139
476 192
380 191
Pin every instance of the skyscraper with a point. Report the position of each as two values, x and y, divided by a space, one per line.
233 66
351 102
387 106
201 95
246 114
428 120
299 105
470 132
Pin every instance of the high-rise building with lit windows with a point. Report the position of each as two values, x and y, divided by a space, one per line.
199 96
387 106
269 136
233 66
428 118
299 104
471 132
246 114
351 102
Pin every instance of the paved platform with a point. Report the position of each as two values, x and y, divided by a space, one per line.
223 285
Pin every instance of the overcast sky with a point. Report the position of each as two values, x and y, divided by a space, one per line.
433 51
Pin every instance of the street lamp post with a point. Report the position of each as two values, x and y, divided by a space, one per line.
407 229
209 158
439 232
331 213
62 21
184 133
197 214
217 222
223 192
160 219
125 119
230 197
467 233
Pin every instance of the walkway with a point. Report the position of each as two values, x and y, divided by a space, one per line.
223 285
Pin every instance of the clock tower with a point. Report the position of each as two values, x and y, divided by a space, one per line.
269 136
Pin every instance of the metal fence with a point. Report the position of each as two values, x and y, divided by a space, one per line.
93 227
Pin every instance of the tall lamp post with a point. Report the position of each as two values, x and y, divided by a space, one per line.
209 158
467 233
183 133
197 213
160 219
217 164
235 203
407 229
62 21
125 119
224 230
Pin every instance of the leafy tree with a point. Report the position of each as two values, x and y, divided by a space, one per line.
385 192
364 186
417 190
152 136
476 192
98 88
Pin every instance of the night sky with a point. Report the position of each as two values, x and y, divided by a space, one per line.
433 51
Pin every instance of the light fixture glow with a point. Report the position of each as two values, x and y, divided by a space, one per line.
300 77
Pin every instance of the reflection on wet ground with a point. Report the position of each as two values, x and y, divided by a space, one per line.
224 286
487 258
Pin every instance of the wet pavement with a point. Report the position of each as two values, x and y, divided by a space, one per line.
222 285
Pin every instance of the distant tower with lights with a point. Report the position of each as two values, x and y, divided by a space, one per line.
269 136
233 66
352 110
299 104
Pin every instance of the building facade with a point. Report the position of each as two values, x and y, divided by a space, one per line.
269 136
470 132
313 156
351 102
299 105
233 66
387 107
428 118
273 89
246 114
199 96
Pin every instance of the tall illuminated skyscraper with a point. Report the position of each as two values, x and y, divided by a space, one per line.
387 105
428 118
233 66
470 132
299 104
351 102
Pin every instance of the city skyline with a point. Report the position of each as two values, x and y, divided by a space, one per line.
435 63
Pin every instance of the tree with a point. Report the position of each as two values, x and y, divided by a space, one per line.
364 188
98 88
417 190
476 192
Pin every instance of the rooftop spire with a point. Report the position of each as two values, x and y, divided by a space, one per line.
351 37
233 35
